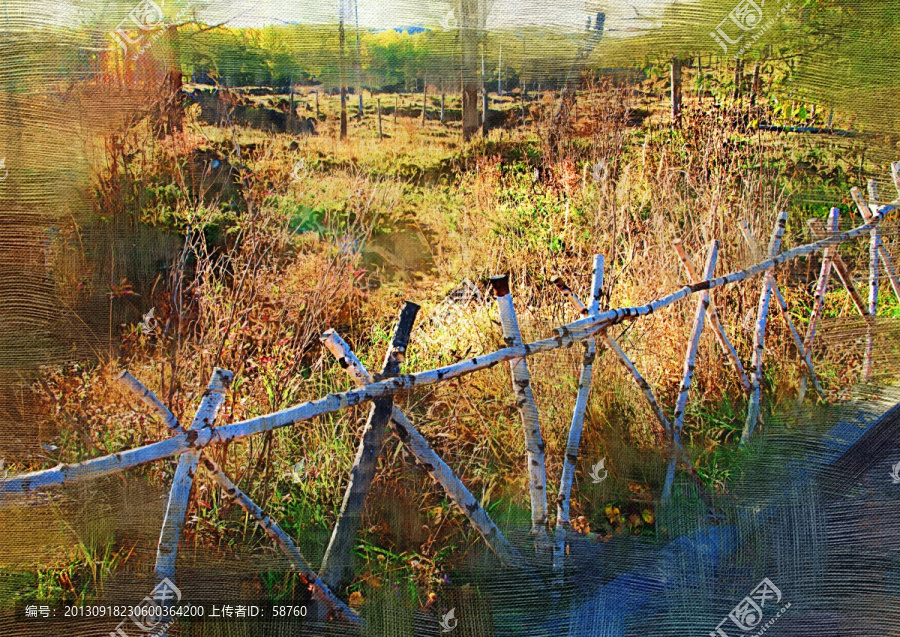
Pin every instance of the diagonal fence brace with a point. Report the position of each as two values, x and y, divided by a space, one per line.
336 562
429 459
577 426
759 335
317 587
713 316
688 375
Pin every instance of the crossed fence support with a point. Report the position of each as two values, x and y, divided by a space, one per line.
591 328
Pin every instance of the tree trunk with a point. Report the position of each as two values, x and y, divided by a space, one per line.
676 90
342 40
468 23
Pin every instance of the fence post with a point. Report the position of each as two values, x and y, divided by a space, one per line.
713 315
380 133
759 335
338 555
180 491
534 444
840 268
431 461
866 214
577 426
688 375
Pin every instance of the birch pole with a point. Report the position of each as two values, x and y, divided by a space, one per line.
874 245
822 283
759 336
566 335
336 561
577 426
819 296
531 426
180 492
430 461
688 375
151 400
713 316
798 342
883 254
873 304
841 269
317 587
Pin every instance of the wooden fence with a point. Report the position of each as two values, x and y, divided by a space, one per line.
189 443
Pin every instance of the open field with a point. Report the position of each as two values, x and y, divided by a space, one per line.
272 238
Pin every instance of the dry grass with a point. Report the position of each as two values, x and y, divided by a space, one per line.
256 283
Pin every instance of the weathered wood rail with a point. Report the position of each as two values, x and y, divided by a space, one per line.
591 329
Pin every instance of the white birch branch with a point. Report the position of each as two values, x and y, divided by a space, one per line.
531 426
339 553
180 492
688 375
841 269
714 320
759 336
150 399
883 254
822 284
577 425
873 304
805 357
429 459
317 587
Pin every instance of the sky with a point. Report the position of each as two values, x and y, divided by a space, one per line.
566 15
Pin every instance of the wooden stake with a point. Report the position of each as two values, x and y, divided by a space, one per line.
713 315
577 425
688 375
426 456
150 399
396 107
840 268
822 283
873 303
611 344
318 588
801 350
336 561
180 492
380 133
882 252
531 426
759 335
